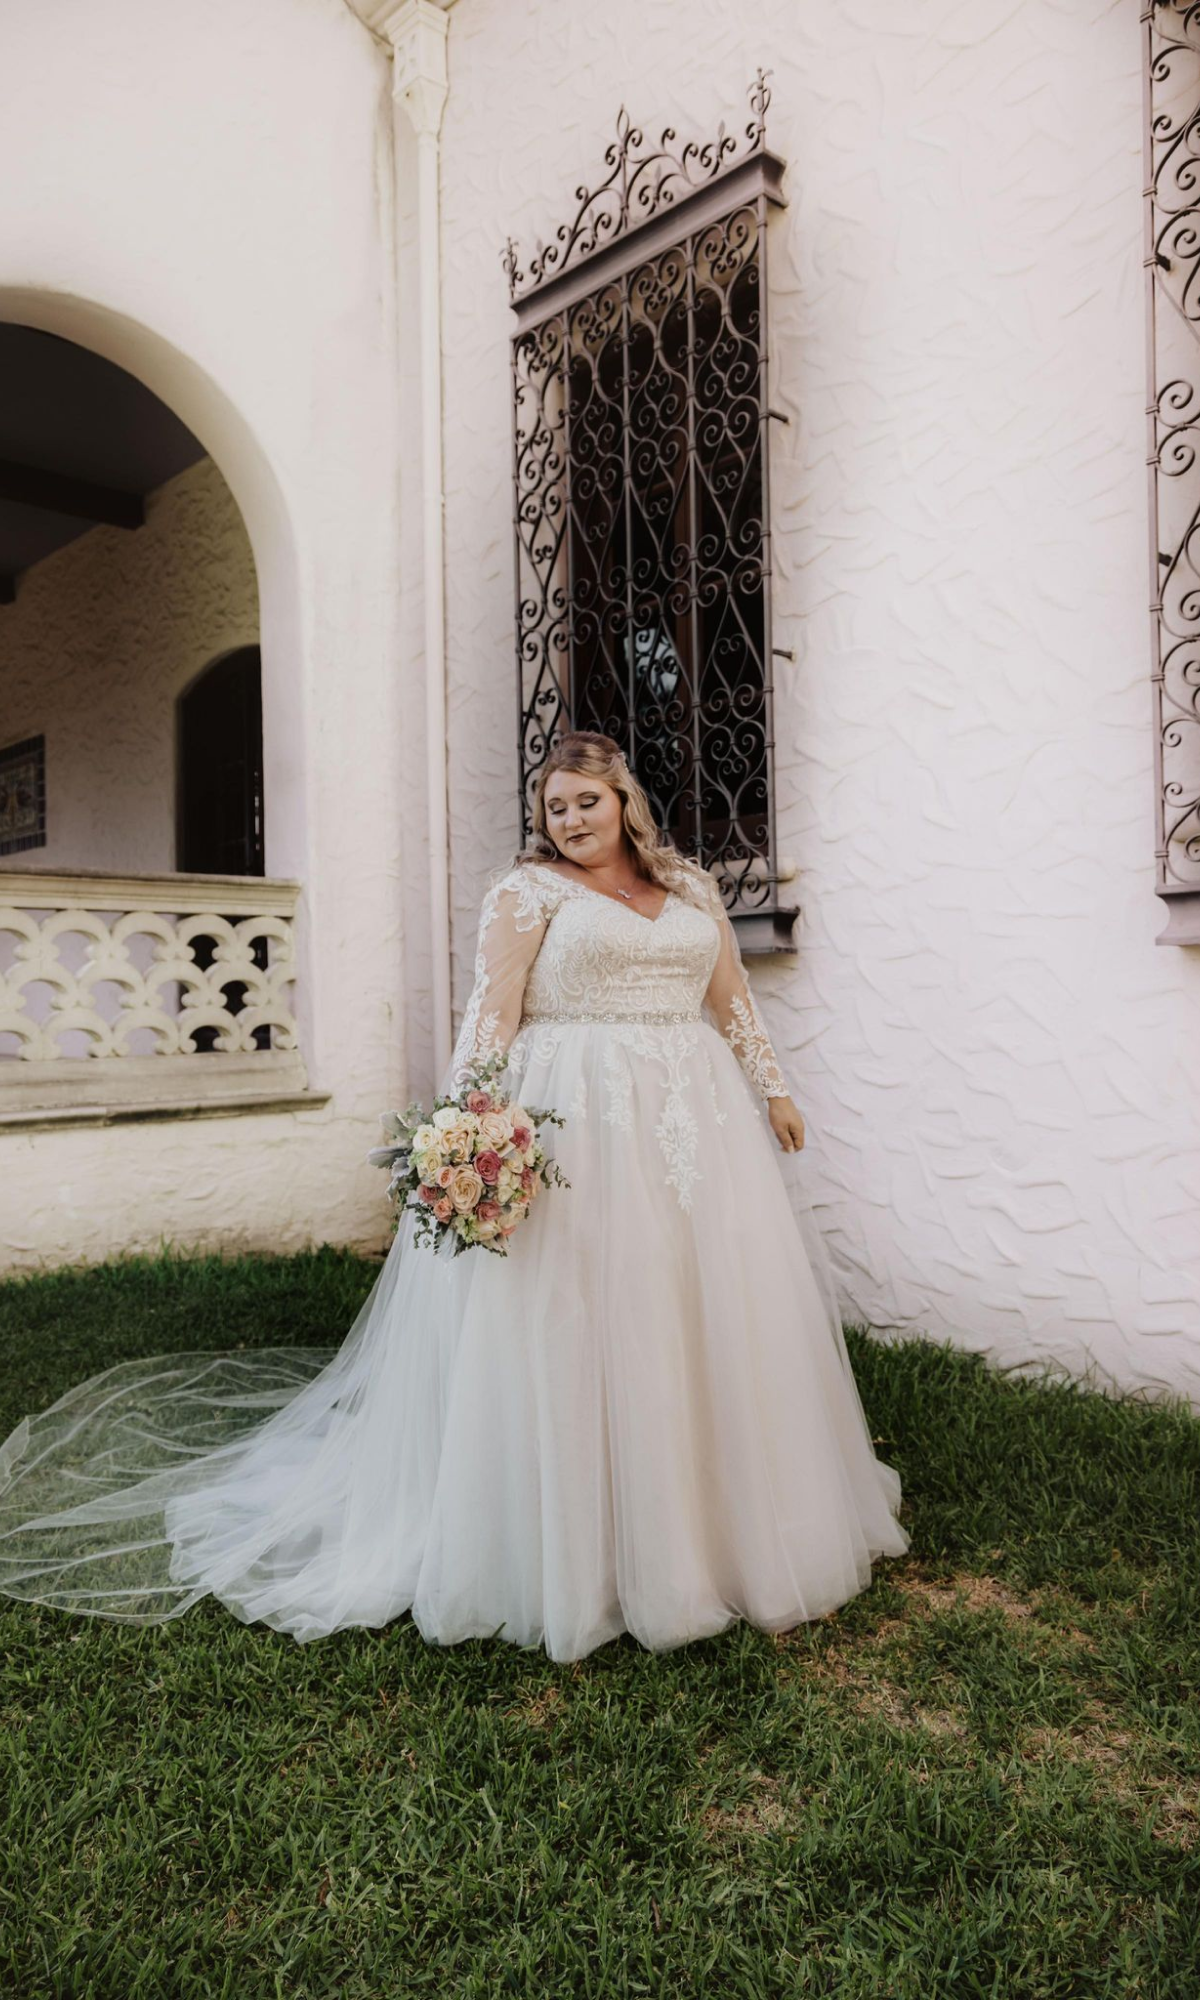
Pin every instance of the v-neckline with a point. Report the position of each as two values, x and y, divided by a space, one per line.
604 895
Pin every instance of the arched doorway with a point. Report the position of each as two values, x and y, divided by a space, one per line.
219 792
219 765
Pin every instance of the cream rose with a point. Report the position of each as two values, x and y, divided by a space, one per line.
456 1141
465 1190
495 1131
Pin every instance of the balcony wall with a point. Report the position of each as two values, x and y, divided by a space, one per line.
108 1009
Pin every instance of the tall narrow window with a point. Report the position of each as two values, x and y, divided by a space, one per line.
641 421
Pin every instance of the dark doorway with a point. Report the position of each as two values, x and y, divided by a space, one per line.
221 796
220 769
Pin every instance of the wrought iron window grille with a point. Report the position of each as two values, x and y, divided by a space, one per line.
641 424
1171 95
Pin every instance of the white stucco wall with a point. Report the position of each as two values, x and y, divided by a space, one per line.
205 196
103 638
999 1069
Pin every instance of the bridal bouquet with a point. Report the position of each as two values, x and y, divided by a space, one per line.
470 1168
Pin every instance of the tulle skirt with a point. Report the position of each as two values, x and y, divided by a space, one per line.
642 1419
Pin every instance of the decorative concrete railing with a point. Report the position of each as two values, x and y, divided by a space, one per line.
108 981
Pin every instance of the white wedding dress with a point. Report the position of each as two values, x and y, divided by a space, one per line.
642 1419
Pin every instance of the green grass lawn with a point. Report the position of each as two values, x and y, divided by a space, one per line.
978 1778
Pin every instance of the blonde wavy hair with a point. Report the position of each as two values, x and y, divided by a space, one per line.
590 755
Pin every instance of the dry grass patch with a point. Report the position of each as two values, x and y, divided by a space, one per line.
864 1668
872 1694
539 1708
1122 1765
925 1595
976 1593
981 1594
750 1819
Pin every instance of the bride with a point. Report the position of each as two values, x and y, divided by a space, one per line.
643 1419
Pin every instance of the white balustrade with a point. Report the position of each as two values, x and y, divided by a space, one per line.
102 990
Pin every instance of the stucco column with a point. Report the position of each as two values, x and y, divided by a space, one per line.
416 32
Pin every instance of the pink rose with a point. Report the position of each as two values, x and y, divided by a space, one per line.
487 1166
522 1137
526 1179
429 1194
444 1176
488 1211
478 1101
443 1209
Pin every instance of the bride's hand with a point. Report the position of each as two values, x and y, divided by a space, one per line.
786 1123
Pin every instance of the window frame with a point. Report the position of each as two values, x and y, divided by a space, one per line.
653 206
1171 141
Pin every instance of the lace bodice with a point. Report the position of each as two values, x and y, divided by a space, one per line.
603 960
553 949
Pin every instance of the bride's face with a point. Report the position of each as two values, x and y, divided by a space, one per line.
583 819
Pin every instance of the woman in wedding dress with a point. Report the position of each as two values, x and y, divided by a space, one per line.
641 1419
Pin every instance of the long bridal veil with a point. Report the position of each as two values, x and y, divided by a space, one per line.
159 1481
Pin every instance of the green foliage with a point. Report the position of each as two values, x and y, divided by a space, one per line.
977 1781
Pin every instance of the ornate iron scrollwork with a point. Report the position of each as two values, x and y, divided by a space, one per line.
1172 197
638 185
640 469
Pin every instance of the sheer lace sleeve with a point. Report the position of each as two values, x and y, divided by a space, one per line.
512 923
730 1006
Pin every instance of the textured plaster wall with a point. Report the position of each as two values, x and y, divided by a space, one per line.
205 195
999 1069
103 638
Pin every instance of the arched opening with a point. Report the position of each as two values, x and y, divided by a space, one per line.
142 928
125 566
235 450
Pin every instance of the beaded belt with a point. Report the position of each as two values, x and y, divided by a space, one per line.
661 1018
